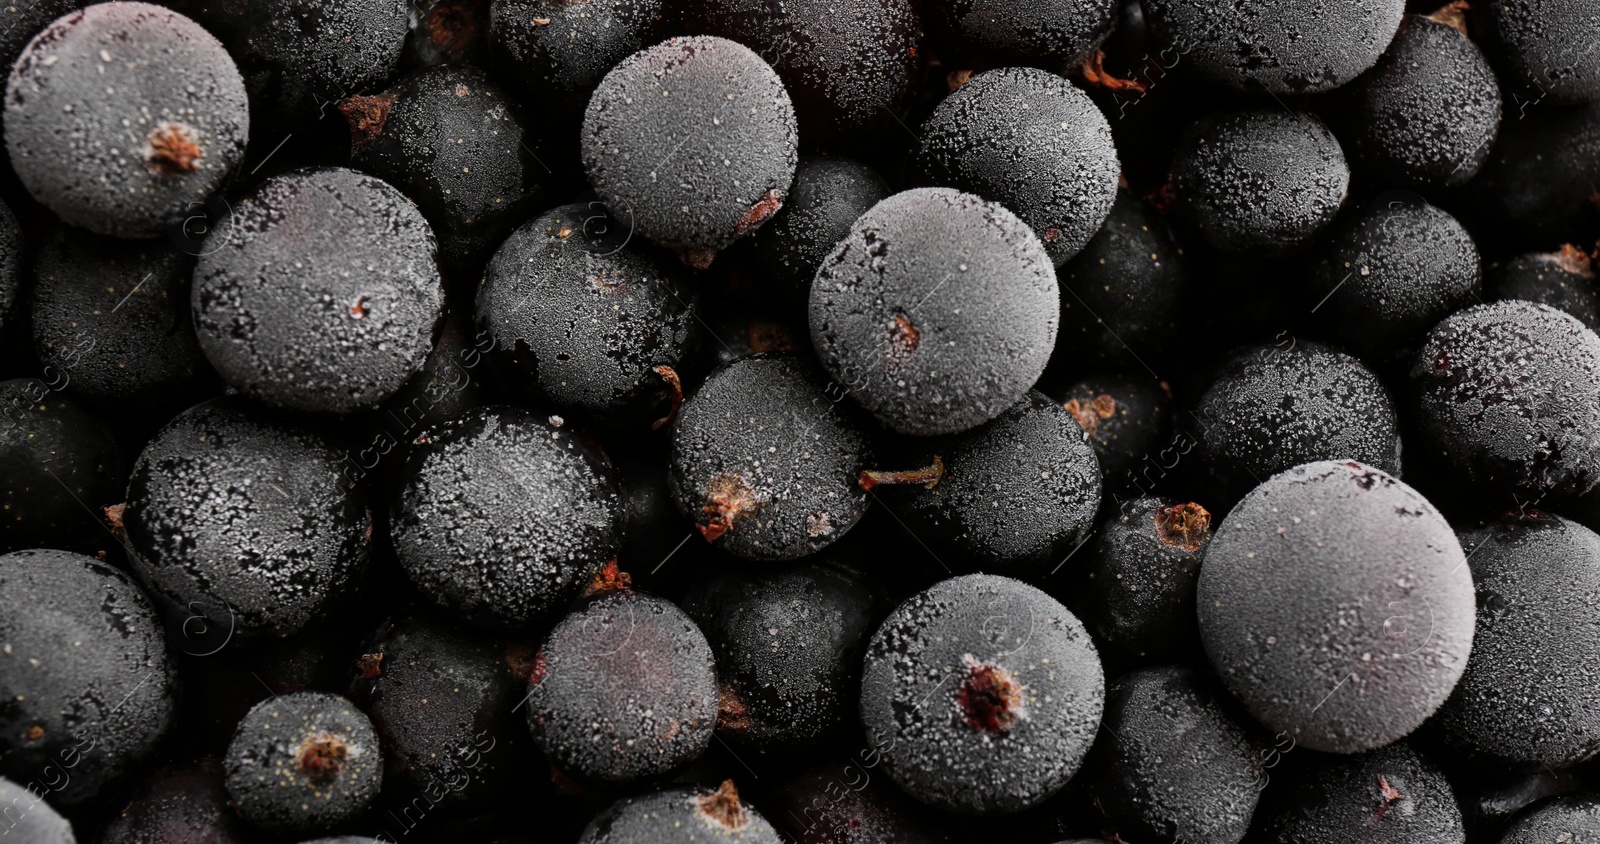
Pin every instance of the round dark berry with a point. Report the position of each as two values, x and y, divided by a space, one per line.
1574 819
1055 33
1259 180
1033 142
30 817
120 116
303 762
1563 279
681 815
1427 114
1015 494
1534 189
984 694
692 143
765 462
828 196
1391 273
1530 696
235 513
319 292
937 312
1288 47
1173 764
788 648
457 145
586 324
183 804
558 51
1545 49
841 803
1143 564
59 464
446 32
114 315
1275 406
1390 794
624 689
1510 395
1125 419
1335 602
502 517
88 682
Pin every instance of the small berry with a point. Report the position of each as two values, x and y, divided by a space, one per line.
303 762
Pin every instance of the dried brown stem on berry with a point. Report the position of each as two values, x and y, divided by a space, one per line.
669 375
928 476
1094 73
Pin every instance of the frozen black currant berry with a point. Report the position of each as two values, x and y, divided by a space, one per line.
984 694
841 803
1015 494
1259 180
233 512
121 115
1510 395
1390 794
1143 565
1279 405
1033 142
1545 49
180 804
88 683
320 292
692 143
586 324
456 144
1534 190
1392 272
29 817
114 315
1575 819
681 815
998 33
558 51
788 647
1564 279
624 689
1530 696
503 517
1125 419
1288 47
57 459
764 460
1427 114
828 196
937 312
1172 763
1336 603
303 762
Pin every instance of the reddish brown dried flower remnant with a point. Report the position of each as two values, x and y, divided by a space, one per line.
669 375
731 498
322 757
928 476
358 308
1094 73
990 698
35 732
697 257
1183 526
1574 260
1387 796
732 714
450 26
540 668
1453 14
370 665
519 660
366 116
769 204
904 338
1089 414
172 149
114 518
610 578
723 808
956 78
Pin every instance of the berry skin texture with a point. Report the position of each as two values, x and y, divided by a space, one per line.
704 112
764 462
1017 493
184 804
1391 273
1535 187
303 762
1545 48
1565 819
1033 142
85 673
456 144
56 458
1509 392
1287 47
1259 180
1389 794
32 819
984 694
171 85
828 196
1564 279
1053 33
502 518
1530 696
1336 604
1143 565
624 689
558 51
937 313
681 815
1273 407
1427 114
1175 763
319 292
11 267
841 803
242 515
583 322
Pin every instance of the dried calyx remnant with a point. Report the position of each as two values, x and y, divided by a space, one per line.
1090 413
1183 526
366 116
722 808
322 757
172 148
990 699
731 498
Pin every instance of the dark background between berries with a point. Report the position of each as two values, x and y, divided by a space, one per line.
1323 312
